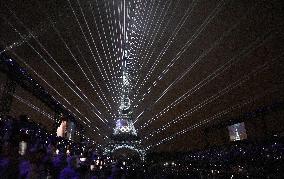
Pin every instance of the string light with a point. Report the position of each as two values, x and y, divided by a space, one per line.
143 31
180 77
246 77
34 107
184 48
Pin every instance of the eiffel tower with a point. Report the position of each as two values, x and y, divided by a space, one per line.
124 124
124 135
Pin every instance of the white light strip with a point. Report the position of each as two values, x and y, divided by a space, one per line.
180 77
212 98
208 120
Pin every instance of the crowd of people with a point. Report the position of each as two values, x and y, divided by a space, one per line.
29 151
242 159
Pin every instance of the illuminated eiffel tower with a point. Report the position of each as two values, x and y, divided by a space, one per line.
124 124
124 134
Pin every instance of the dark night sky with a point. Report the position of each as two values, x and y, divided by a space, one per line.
221 55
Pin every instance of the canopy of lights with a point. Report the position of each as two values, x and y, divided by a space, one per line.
161 70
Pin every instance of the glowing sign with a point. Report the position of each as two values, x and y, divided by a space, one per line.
237 132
